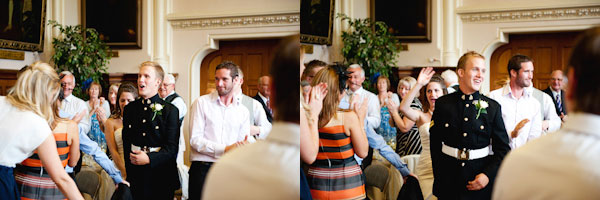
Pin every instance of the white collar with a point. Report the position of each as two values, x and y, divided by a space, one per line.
70 98
215 97
263 97
172 92
583 122
506 90
285 132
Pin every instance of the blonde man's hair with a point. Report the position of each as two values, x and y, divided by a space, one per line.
36 90
462 61
160 73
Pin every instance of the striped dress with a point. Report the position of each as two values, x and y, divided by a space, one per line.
410 142
33 180
335 174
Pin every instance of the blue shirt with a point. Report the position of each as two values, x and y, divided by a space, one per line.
91 148
376 141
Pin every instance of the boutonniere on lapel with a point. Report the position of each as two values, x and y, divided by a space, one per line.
481 107
157 109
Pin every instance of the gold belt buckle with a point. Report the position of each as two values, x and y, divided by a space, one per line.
463 155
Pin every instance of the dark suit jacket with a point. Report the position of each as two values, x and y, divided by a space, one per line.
562 100
451 128
269 116
159 179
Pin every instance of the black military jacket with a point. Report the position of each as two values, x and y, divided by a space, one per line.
455 123
160 177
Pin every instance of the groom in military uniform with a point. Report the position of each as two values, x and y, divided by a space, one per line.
151 139
464 124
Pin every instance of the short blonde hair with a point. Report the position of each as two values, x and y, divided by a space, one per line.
36 90
160 73
462 61
407 80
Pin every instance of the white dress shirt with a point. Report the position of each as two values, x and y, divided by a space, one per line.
514 110
213 126
267 169
73 106
258 114
373 111
561 165
548 111
21 132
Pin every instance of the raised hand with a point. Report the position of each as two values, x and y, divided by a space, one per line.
317 95
425 75
518 127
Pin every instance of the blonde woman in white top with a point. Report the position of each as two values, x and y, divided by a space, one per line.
24 127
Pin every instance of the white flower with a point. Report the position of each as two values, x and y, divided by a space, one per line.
159 107
483 104
362 41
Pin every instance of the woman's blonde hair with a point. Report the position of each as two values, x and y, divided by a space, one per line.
407 80
36 90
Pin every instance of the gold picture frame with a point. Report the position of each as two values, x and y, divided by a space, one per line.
22 25
316 21
409 21
119 23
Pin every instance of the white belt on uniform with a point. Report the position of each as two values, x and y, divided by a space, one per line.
145 149
465 154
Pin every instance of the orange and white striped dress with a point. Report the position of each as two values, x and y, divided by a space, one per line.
335 174
33 181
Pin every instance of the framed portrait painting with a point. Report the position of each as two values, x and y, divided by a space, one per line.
22 24
119 23
316 21
409 21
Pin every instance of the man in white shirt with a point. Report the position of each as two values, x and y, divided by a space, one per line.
267 169
73 105
218 124
520 110
356 78
76 109
260 126
563 165
167 92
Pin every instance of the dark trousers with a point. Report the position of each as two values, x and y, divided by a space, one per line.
198 172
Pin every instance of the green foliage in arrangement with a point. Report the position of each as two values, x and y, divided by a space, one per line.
369 44
86 57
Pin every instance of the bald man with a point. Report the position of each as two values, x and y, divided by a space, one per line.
555 91
263 95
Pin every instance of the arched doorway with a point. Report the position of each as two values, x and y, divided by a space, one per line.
549 51
253 56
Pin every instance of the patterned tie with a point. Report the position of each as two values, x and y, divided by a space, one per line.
558 103
269 106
